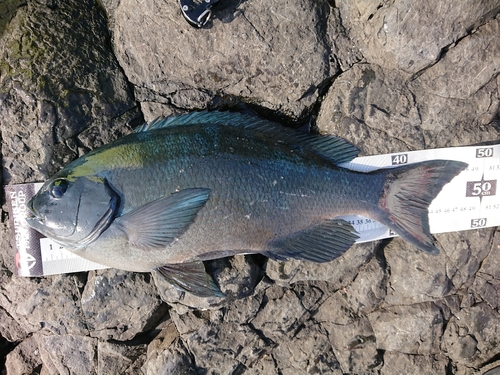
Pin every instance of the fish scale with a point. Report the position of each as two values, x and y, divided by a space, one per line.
288 198
211 184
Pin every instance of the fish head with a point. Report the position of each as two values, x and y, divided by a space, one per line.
73 211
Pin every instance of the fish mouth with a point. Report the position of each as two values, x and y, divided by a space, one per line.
31 210
32 216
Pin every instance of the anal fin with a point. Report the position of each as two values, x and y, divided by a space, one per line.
320 243
190 277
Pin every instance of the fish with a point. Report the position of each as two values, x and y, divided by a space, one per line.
206 185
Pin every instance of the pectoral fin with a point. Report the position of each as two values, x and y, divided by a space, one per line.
190 277
320 243
157 224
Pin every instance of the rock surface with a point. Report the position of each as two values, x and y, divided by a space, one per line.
388 76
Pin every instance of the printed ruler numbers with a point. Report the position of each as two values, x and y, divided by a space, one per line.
481 188
399 159
495 206
52 251
451 210
484 152
478 223
361 223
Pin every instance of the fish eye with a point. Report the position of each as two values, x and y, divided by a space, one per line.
58 188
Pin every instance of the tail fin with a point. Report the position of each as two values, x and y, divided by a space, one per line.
408 191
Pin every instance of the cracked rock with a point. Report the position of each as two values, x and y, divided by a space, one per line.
471 336
58 79
350 335
413 329
30 301
390 33
397 363
119 358
166 354
474 60
24 358
133 304
487 283
258 53
365 103
68 354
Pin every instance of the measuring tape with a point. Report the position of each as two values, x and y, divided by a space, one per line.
469 201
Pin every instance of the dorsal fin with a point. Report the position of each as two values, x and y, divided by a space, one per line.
204 118
335 149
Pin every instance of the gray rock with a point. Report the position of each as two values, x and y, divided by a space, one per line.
369 289
466 253
391 33
471 101
343 48
418 277
398 363
413 329
350 335
473 61
24 359
119 358
283 319
10 329
7 261
59 78
383 111
119 305
339 272
309 351
68 354
223 347
254 329
470 337
487 282
166 354
369 103
31 301
254 51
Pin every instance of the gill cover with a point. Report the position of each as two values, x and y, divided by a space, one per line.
73 212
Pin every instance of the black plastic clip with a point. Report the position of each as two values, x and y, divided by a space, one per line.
197 14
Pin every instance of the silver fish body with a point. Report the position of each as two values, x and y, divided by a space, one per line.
211 184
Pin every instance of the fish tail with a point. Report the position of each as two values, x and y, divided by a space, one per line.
406 195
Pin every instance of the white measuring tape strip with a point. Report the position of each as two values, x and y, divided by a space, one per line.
469 201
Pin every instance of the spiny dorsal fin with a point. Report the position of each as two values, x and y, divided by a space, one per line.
335 149
204 118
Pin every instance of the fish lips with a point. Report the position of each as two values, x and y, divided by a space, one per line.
33 219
